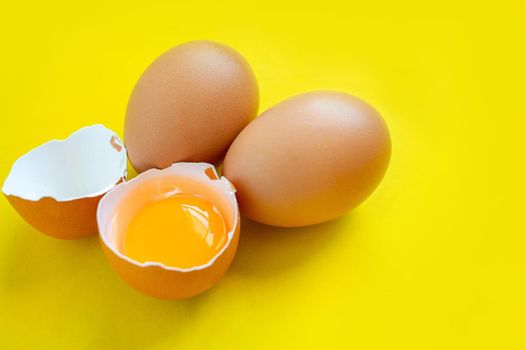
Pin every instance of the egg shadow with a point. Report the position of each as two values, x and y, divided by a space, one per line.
28 248
266 250
157 320
74 277
89 290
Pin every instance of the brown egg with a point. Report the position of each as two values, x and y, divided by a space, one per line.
189 105
309 159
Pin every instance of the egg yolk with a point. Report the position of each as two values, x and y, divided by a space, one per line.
180 231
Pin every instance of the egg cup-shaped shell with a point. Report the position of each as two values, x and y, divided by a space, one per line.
308 159
118 207
56 187
189 105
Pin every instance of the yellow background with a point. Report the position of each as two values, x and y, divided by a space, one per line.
433 260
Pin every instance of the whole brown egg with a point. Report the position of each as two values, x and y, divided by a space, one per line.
189 105
309 159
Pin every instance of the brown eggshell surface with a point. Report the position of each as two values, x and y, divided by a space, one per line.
64 220
189 105
309 159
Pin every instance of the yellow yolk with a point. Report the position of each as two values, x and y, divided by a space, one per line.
179 231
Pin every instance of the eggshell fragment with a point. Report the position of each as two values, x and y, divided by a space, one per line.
56 187
119 206
189 105
309 159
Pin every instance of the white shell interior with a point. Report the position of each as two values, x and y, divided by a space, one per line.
88 163
117 208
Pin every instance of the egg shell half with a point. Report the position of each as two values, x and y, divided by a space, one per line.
118 207
308 159
56 187
189 105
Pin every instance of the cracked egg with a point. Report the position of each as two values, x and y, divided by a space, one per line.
171 233
56 186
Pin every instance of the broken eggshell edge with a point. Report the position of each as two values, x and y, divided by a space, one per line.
154 278
56 186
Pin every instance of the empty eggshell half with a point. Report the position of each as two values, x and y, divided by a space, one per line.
119 207
56 187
